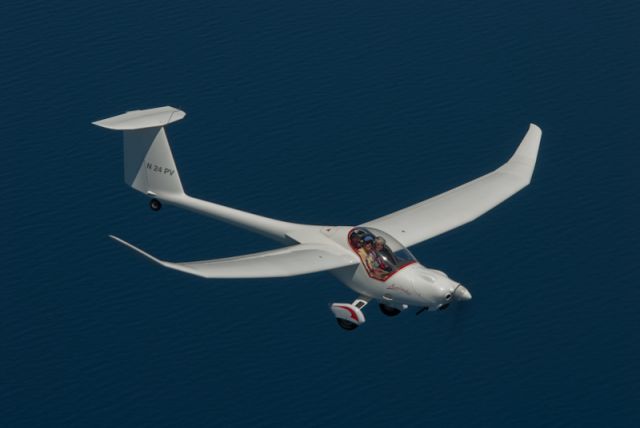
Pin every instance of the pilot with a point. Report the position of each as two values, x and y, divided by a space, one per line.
371 259
366 252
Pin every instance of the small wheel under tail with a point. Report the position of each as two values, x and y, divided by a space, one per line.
155 204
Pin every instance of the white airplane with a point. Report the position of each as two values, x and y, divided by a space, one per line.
372 258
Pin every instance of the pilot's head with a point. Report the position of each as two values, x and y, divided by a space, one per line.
367 242
380 242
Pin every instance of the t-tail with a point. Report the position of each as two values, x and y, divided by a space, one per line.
149 168
148 163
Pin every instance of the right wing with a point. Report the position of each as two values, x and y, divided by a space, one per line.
465 203
288 261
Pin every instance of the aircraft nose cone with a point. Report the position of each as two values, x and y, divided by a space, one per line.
461 293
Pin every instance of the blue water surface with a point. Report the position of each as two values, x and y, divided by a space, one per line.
326 112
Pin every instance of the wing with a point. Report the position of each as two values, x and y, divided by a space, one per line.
465 203
288 261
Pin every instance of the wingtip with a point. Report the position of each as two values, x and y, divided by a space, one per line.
523 161
115 238
535 128
530 144
136 249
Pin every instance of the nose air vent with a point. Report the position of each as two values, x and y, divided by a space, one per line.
427 277
448 296
439 272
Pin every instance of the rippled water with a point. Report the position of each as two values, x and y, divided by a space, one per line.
291 107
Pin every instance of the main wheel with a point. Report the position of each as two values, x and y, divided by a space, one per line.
347 325
155 204
388 310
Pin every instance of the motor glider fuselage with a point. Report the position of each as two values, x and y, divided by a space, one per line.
402 281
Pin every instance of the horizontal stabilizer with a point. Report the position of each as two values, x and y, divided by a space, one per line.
148 162
141 119
288 261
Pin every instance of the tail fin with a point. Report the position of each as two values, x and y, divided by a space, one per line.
148 163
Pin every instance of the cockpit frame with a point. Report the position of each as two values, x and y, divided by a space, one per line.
381 255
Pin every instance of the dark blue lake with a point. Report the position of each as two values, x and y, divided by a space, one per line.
291 107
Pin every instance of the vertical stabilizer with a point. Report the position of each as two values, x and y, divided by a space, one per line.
148 162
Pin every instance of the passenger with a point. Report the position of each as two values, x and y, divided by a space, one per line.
383 250
382 262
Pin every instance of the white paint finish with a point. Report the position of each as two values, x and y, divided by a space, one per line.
141 119
465 203
277 230
314 248
148 162
288 261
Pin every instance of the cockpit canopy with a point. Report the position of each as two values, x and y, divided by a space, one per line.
381 254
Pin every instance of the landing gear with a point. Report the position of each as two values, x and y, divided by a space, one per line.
347 325
388 310
349 315
155 204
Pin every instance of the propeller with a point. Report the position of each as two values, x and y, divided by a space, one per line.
421 310
460 294
460 312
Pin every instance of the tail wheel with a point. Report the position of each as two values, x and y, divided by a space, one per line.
347 325
155 204
389 311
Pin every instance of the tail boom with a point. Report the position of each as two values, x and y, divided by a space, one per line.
149 168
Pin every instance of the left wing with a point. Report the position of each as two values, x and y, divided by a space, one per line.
288 261
465 203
